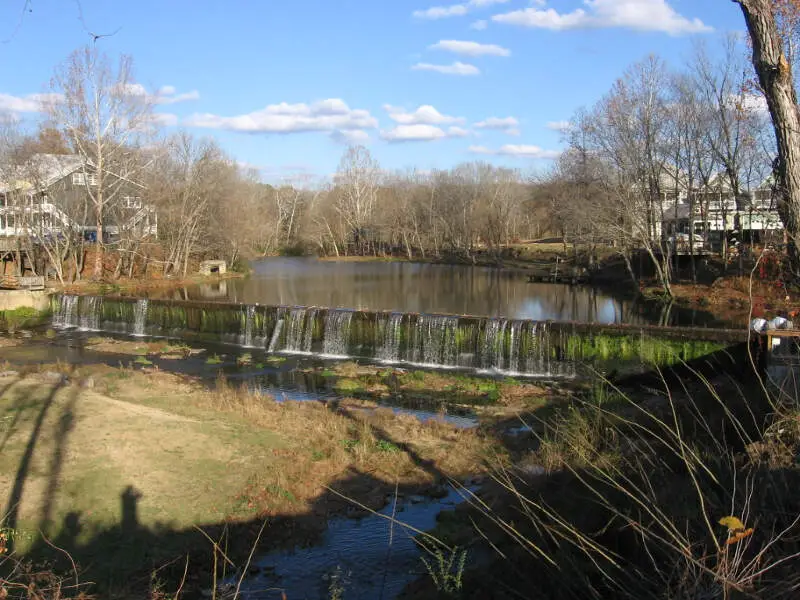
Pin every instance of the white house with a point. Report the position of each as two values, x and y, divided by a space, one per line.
48 195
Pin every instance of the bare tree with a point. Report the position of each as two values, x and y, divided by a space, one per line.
186 180
628 131
357 181
104 115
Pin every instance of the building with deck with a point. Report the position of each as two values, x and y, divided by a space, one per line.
52 195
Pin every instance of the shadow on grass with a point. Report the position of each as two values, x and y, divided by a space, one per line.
131 560
534 561
128 558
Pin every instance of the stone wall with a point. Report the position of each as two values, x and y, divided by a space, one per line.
13 299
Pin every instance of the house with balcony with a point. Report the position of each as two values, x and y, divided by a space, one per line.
707 215
51 195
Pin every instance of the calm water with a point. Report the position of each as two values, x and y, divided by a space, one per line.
427 288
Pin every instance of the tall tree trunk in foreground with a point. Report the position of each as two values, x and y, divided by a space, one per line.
775 77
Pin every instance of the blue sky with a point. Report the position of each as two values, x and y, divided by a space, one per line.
284 85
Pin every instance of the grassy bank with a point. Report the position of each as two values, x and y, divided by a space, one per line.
120 467
686 493
22 318
432 389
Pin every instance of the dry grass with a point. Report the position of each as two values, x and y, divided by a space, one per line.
687 496
317 445
199 457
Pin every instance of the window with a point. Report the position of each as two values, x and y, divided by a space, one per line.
84 179
132 202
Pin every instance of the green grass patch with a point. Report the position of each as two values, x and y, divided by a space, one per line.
23 317
349 386
386 446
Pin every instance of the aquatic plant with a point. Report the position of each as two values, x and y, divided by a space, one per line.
446 569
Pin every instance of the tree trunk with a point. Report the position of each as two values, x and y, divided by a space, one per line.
98 249
775 77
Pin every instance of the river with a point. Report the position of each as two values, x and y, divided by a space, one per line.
431 288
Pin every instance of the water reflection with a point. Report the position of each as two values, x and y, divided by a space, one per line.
427 288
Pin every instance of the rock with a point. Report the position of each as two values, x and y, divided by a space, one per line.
440 491
88 383
473 481
417 499
9 373
52 377
533 470
26 334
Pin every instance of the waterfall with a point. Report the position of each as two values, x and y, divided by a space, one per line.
276 334
294 329
308 331
390 333
515 332
65 314
140 316
337 333
493 344
300 330
537 361
89 308
248 325
435 341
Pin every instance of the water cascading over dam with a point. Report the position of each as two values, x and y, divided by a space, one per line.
494 344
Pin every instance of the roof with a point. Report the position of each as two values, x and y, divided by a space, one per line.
48 168
670 177
719 181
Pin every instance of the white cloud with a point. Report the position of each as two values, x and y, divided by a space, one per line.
479 25
457 132
642 15
350 137
507 125
470 48
457 68
749 103
164 119
519 150
424 115
31 103
559 125
165 95
421 133
442 12
172 98
326 115
454 10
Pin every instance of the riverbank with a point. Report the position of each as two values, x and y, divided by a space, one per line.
120 466
656 495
